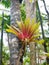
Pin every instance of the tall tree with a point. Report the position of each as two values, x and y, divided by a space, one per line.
14 44
31 13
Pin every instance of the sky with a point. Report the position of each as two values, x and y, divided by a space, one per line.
41 6
2 8
7 11
42 10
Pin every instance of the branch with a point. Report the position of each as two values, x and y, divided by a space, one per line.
45 7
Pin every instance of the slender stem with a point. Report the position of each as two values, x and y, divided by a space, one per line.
41 22
1 44
40 19
45 7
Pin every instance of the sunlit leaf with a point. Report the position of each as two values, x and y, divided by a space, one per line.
47 54
40 41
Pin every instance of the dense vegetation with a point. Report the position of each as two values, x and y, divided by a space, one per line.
42 18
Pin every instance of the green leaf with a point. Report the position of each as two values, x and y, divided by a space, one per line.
40 41
6 3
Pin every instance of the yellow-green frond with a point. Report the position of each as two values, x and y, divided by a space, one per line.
11 31
31 1
33 20
16 29
27 21
40 41
35 37
47 54
8 26
19 24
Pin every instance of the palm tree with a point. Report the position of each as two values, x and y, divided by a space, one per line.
14 44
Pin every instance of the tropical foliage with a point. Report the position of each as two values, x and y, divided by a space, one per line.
6 3
27 31
6 56
22 10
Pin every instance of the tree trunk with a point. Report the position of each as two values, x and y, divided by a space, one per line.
14 43
31 13
32 53
30 8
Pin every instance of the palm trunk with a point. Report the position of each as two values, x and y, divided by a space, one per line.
14 43
31 13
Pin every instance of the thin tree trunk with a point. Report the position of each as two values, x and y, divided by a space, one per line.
40 19
30 8
31 13
32 53
1 43
14 43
